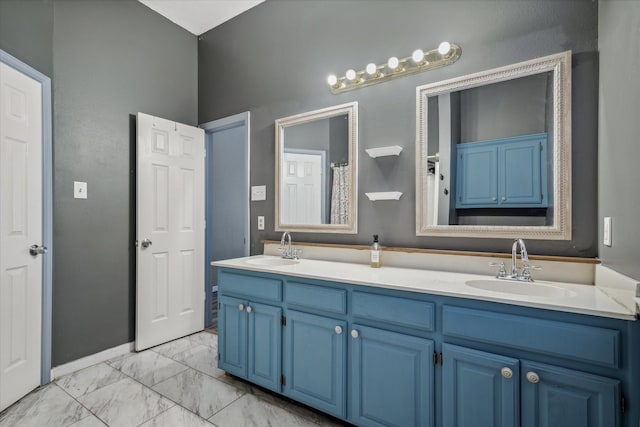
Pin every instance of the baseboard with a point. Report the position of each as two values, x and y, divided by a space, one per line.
85 362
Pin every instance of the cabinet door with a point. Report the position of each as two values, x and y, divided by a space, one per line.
520 175
315 361
478 388
265 344
558 397
391 378
477 176
232 336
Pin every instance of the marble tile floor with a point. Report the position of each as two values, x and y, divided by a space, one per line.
176 384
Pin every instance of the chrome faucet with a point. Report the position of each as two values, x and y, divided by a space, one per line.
526 274
288 252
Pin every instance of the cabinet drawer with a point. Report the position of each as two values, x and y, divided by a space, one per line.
316 297
394 310
578 342
250 286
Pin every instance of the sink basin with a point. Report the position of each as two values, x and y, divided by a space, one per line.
531 289
271 262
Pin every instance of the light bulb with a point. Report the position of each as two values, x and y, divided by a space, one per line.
417 56
444 48
350 74
332 80
371 69
393 63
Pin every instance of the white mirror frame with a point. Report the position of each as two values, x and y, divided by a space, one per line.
351 109
560 65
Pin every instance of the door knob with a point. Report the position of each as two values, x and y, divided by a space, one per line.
146 243
532 377
36 250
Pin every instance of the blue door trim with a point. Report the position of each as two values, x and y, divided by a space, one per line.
241 119
47 207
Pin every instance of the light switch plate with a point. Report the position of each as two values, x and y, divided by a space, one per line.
261 222
79 190
258 192
606 239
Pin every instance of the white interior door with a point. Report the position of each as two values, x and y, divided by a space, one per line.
302 193
170 231
20 227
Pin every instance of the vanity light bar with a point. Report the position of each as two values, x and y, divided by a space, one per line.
446 54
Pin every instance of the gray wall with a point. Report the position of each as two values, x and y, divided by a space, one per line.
274 59
619 147
111 59
26 32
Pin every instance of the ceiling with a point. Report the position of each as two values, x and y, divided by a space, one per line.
199 16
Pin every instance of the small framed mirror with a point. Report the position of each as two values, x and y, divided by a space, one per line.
317 171
493 153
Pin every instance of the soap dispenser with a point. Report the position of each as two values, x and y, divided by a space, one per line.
376 253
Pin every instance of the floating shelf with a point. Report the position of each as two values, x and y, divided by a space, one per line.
391 150
388 195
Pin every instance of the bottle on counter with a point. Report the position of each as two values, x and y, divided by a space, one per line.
376 253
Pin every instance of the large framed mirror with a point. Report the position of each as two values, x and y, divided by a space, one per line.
493 153
317 171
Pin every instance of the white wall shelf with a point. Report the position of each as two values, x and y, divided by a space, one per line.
391 150
387 195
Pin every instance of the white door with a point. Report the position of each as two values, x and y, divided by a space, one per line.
303 193
20 227
170 231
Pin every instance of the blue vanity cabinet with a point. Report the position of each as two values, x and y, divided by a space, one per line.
315 356
505 173
559 397
479 388
391 377
250 332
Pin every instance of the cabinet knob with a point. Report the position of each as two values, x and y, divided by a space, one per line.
494 198
241 307
338 330
532 377
506 372
354 333
504 199
249 309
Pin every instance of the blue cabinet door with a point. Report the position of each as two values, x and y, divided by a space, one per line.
558 397
264 345
478 388
477 177
522 173
315 361
391 378
232 338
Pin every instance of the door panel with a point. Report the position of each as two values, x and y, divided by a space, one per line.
474 390
264 345
20 227
170 216
233 336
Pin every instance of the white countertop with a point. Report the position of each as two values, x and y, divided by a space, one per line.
582 299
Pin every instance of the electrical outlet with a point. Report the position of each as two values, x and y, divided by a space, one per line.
261 222
607 231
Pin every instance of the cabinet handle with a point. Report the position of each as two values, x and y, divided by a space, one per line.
506 372
249 309
241 307
354 333
338 330
532 377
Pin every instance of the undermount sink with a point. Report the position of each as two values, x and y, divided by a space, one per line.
271 262
532 289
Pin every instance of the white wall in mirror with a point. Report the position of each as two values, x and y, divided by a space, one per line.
493 153
317 171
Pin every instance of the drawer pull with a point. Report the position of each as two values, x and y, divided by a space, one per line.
354 333
241 307
506 372
338 330
249 309
532 377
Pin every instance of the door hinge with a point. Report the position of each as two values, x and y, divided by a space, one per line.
435 358
622 403
136 243
283 380
219 306
440 359
283 321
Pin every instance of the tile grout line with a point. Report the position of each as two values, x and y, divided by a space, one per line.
81 404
